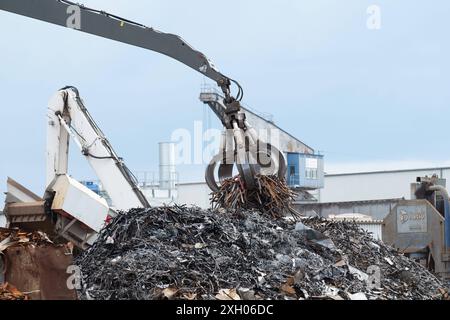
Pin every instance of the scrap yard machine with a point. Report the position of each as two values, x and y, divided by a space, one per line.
420 228
243 149
71 210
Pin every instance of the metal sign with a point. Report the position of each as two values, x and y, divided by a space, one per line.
411 219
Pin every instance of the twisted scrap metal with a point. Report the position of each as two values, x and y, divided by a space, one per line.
187 253
272 197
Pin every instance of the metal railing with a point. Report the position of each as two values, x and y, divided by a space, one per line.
151 179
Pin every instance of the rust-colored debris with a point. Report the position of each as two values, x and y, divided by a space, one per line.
33 267
272 196
9 292
18 237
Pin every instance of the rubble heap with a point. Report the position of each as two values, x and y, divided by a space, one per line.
16 238
272 196
187 253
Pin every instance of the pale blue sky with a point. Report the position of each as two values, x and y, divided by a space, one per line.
366 99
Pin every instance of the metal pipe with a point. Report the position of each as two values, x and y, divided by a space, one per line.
445 195
70 132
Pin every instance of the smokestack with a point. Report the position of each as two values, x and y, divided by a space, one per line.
167 169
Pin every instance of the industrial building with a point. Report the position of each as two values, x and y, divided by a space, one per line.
370 193
376 189
374 194
375 185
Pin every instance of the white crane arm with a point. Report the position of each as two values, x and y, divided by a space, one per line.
68 117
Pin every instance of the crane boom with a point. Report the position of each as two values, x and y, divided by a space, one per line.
69 118
75 16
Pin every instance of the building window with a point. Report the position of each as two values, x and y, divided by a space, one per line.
311 174
311 168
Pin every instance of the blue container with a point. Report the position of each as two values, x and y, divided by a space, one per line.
92 186
305 171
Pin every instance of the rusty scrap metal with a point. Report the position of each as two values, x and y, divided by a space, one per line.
181 252
35 266
9 292
271 197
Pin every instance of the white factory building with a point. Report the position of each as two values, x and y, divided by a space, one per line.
376 185
345 187
305 173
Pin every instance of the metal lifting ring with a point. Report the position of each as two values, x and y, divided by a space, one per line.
248 167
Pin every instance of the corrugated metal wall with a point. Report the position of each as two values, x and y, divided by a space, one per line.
374 228
374 186
377 209
343 188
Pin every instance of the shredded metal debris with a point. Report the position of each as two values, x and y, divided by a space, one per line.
9 237
187 253
272 197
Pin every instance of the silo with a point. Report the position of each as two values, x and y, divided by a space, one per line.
167 169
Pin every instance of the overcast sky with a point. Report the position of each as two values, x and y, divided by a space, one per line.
367 99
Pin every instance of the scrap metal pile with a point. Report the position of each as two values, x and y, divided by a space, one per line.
272 197
187 253
12 238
